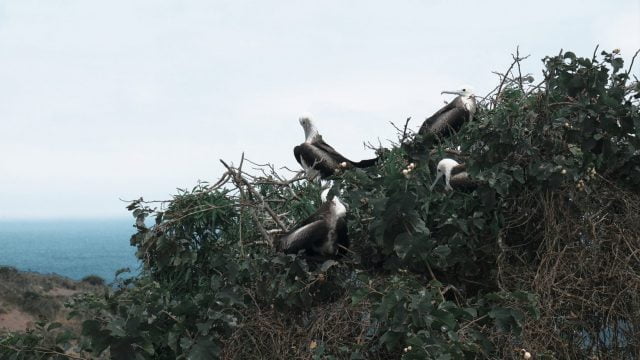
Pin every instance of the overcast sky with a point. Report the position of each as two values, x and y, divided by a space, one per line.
101 100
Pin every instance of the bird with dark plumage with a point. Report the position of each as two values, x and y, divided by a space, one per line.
318 158
323 233
455 176
452 116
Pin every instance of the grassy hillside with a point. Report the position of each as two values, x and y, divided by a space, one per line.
541 259
34 302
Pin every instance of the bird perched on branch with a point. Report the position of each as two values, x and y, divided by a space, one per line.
323 233
318 158
452 116
455 176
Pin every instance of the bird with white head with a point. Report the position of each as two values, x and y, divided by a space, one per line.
318 158
323 233
452 116
455 176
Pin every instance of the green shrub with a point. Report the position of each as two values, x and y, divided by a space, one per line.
94 280
39 305
536 258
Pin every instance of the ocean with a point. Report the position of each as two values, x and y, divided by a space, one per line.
71 248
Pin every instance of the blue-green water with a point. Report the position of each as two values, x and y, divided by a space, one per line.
72 248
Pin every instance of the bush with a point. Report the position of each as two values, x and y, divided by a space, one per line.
94 280
6 271
39 305
539 257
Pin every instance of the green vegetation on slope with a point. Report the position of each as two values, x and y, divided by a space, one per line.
543 256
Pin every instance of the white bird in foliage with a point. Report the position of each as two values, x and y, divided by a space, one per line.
318 158
323 233
455 176
452 116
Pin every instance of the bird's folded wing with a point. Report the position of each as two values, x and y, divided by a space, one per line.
452 117
305 237
342 232
317 215
306 152
458 169
463 182
297 152
331 151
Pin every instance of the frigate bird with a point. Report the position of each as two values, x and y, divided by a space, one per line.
318 158
452 116
323 233
455 176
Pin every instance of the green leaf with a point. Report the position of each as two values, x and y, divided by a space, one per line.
471 311
204 349
518 174
442 250
446 318
390 339
500 313
116 327
358 295
148 348
122 349
172 340
402 244
64 337
53 325
90 327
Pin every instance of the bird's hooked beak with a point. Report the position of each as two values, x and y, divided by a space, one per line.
435 182
459 93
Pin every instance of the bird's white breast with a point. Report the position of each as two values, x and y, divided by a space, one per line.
338 208
469 104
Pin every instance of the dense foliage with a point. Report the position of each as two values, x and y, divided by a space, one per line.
516 264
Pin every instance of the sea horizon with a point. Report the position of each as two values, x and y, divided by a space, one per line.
69 247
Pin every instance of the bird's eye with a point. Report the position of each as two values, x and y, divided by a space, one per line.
464 89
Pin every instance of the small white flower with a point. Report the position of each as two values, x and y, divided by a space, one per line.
405 172
343 164
526 355
564 171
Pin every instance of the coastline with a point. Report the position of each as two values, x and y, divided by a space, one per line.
72 248
26 297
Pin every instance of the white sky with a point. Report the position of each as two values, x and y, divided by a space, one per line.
101 100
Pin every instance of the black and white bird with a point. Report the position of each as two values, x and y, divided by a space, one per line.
318 158
455 176
323 233
452 116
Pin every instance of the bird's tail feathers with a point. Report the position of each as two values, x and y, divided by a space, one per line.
366 163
